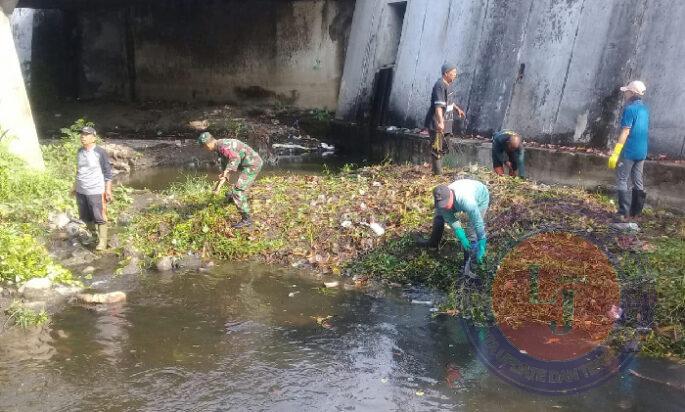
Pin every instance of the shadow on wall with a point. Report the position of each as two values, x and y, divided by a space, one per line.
290 52
260 94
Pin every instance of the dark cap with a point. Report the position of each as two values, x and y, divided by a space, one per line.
447 67
88 130
441 195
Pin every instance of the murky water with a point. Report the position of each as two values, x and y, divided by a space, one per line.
162 177
246 337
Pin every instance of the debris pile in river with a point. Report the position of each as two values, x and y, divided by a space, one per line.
364 222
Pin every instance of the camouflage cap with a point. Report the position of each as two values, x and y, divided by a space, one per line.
204 138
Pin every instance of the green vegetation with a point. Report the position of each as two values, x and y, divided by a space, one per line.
27 198
668 267
25 317
322 115
320 222
238 128
22 257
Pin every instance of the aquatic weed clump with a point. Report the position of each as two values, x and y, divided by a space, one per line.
24 317
323 223
649 264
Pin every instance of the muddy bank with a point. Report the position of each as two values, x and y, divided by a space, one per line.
170 121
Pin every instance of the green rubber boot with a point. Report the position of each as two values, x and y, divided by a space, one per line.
102 237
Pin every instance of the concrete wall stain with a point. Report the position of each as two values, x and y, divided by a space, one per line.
189 50
576 54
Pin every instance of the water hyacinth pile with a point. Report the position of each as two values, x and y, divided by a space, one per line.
330 224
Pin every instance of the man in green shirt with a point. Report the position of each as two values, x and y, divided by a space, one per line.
507 150
235 156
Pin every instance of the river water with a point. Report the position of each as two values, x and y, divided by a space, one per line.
246 337
160 178
255 337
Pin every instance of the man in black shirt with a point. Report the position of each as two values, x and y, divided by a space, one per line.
440 117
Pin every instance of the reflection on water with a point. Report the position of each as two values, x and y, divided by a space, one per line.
161 178
236 340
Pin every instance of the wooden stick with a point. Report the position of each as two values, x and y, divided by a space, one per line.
219 184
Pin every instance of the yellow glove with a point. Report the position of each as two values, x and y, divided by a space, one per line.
613 160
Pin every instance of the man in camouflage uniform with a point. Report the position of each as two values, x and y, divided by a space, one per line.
235 156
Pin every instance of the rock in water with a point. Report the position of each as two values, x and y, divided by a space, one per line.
66 291
165 264
189 262
36 288
73 229
133 267
102 298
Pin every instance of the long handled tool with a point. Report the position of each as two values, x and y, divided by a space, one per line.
469 257
219 185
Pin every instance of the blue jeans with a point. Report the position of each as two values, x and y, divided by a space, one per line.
630 170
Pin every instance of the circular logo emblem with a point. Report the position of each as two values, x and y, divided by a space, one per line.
556 300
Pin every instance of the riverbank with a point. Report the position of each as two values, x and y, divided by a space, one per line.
571 165
360 224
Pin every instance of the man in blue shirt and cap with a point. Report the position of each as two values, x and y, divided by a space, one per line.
631 150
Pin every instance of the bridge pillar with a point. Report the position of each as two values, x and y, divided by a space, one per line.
16 119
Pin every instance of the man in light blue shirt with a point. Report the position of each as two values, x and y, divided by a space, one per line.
467 196
631 151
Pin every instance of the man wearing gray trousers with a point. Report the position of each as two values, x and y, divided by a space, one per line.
630 152
93 185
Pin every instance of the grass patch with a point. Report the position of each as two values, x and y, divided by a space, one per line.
24 317
27 197
668 266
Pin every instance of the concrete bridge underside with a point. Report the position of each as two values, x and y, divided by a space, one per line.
261 51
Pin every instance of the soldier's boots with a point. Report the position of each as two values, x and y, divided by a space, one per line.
244 222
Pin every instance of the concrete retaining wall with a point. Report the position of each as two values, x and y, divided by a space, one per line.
665 182
547 68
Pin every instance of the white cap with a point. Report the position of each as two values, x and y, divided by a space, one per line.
636 87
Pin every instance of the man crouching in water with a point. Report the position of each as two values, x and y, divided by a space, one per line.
235 156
